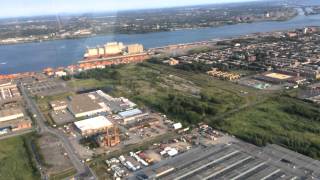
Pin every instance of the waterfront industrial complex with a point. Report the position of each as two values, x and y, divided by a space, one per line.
120 137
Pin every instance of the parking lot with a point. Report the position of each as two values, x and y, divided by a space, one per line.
47 88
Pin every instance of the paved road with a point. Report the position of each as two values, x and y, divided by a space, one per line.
17 133
83 171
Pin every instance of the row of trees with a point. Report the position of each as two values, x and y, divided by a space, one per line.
191 110
98 74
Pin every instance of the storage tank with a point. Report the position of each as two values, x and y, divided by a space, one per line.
135 48
101 51
91 52
113 48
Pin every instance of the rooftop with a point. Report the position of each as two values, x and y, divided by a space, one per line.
93 123
130 113
278 76
58 103
10 112
84 103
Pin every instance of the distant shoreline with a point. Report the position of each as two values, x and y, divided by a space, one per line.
169 30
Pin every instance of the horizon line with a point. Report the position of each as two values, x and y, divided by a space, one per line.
122 10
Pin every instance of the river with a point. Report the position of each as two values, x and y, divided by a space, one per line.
37 56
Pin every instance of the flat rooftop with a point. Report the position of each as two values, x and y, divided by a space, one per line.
93 123
10 112
278 76
58 103
84 103
239 161
130 113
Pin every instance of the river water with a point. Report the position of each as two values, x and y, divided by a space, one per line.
37 56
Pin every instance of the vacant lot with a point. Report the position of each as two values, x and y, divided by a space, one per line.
15 160
156 86
53 155
259 117
283 120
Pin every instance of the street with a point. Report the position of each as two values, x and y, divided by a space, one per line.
83 171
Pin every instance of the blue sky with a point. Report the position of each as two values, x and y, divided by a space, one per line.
11 8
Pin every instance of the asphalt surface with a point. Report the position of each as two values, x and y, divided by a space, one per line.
17 133
83 171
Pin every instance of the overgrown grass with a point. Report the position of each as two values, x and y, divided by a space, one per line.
63 175
283 120
16 161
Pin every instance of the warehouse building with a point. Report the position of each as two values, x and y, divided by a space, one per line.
93 125
132 116
8 91
115 104
13 119
84 105
10 114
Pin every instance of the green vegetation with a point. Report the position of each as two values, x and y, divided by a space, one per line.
195 67
259 117
200 50
286 121
43 102
16 159
63 175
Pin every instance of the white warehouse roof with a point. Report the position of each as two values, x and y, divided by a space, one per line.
130 113
93 123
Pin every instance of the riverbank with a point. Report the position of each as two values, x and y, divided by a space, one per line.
62 53
23 40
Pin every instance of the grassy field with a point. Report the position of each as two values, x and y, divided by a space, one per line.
149 84
283 120
256 116
15 162
87 84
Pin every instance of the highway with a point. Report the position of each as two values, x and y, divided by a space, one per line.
83 171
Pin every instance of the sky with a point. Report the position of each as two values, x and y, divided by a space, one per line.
15 8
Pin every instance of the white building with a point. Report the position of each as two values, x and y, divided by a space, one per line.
93 125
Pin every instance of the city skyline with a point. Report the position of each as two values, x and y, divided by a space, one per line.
18 8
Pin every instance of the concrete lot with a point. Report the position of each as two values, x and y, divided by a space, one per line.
47 88
54 155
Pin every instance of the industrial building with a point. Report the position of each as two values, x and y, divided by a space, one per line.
115 104
10 114
113 49
135 49
8 91
58 105
131 116
83 105
237 161
110 138
93 125
13 119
